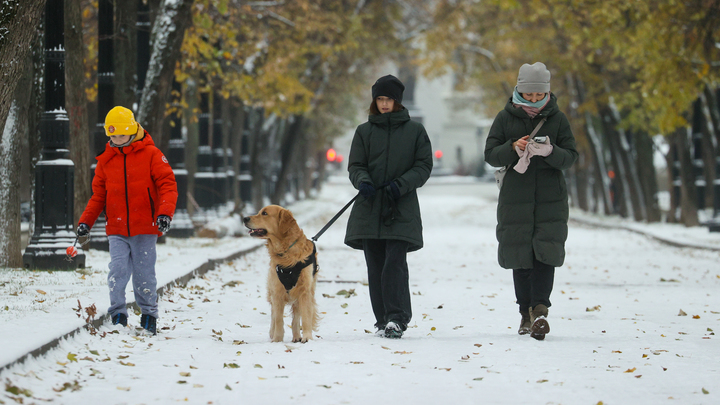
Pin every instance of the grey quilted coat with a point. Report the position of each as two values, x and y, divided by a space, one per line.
532 210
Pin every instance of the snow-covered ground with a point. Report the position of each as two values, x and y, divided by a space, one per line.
632 321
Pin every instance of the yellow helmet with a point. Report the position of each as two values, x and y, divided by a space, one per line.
120 121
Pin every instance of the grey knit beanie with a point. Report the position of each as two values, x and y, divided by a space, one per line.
533 78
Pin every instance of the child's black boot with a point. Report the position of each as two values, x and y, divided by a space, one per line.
149 323
119 319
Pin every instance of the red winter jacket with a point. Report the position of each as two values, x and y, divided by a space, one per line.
134 184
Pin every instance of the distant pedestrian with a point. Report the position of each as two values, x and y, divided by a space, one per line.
532 210
136 187
390 158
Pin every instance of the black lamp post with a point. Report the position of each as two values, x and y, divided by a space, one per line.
54 186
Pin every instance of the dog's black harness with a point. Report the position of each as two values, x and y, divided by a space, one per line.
289 275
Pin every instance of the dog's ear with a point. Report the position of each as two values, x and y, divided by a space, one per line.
286 221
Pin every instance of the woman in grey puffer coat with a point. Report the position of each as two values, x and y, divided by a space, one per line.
532 208
390 158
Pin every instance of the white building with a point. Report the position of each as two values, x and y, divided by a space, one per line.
454 123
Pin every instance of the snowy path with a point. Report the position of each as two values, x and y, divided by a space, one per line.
616 336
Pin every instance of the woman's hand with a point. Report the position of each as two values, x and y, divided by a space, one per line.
521 143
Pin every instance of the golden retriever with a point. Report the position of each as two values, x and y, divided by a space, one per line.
293 271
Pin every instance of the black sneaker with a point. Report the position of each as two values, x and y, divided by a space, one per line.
119 319
393 330
149 323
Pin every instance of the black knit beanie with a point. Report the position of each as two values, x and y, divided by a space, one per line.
388 86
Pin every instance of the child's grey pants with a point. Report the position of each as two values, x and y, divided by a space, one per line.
133 256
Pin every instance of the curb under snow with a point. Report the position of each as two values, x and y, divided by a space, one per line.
182 280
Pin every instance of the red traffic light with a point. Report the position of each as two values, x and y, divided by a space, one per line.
331 155
438 154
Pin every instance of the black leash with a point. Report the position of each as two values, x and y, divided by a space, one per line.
332 221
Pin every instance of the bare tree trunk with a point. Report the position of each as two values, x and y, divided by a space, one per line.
711 98
192 142
91 39
637 197
673 215
18 22
582 173
10 147
647 176
18 28
620 203
625 170
709 147
259 140
601 181
577 183
125 52
288 148
35 109
174 17
11 256
309 167
76 105
688 191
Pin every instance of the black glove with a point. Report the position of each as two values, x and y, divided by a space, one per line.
83 229
163 223
393 190
367 190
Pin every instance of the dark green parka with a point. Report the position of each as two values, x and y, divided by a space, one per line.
388 147
532 210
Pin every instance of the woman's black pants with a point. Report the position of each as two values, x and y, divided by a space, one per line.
533 286
388 280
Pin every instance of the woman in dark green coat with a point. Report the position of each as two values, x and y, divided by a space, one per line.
532 208
390 158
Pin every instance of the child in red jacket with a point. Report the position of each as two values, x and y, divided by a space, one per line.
135 185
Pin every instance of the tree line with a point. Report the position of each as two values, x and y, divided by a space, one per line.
278 80
272 81
624 71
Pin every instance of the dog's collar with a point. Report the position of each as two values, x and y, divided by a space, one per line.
289 247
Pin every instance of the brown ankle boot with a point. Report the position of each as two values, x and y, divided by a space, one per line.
525 323
538 320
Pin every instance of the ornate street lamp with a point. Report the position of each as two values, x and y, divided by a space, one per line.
54 187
